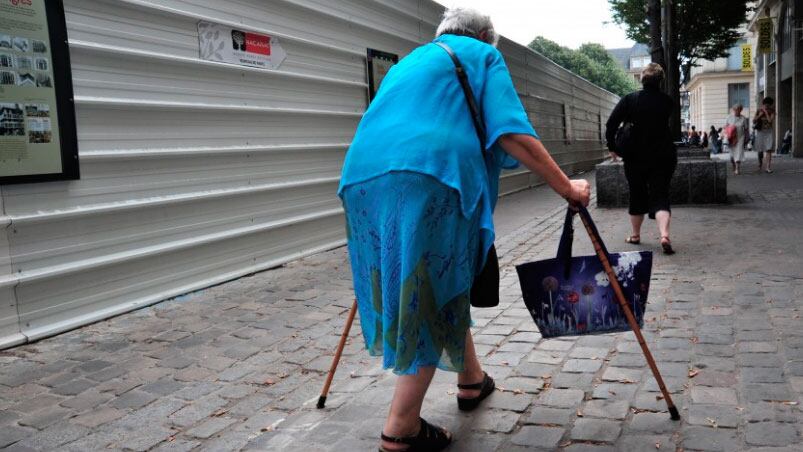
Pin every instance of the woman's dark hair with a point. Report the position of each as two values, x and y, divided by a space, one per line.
768 101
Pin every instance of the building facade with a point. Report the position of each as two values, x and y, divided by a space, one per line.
779 72
632 59
715 86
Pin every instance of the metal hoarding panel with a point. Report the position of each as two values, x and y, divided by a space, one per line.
197 172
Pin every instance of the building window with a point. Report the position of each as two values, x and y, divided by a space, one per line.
639 62
739 93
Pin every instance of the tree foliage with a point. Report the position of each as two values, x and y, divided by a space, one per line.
590 61
706 29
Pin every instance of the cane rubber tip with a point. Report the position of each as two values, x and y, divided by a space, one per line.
673 413
322 403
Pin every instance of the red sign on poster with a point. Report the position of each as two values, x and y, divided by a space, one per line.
255 43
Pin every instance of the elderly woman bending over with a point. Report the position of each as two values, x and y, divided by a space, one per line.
419 192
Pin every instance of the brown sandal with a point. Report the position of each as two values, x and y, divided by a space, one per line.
633 240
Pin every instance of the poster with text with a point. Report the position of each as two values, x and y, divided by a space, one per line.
31 138
230 45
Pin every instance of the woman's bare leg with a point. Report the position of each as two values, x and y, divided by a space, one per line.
769 160
473 370
663 217
635 222
405 409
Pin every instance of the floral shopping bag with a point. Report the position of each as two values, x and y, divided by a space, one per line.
569 296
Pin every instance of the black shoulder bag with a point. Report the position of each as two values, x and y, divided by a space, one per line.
626 140
485 288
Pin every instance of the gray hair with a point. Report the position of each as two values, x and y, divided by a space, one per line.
467 22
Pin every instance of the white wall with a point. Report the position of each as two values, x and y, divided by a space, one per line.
194 173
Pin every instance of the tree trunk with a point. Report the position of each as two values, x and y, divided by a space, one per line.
656 44
672 55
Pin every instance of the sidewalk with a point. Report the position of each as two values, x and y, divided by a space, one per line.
239 366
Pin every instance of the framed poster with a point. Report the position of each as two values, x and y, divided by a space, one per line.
379 63
38 139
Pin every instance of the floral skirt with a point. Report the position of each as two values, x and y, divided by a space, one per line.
413 257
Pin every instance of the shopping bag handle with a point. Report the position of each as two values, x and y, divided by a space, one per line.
567 237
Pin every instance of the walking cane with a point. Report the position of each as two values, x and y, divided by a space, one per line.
336 360
597 241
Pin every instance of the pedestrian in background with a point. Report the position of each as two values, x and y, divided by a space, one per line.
713 140
418 190
704 142
763 123
649 169
737 129
694 137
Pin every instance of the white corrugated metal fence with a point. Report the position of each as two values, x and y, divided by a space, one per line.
195 172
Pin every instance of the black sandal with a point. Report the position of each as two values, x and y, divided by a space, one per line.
486 387
430 438
666 245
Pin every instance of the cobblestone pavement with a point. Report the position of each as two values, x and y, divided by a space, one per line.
239 366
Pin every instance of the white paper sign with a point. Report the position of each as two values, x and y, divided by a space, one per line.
229 45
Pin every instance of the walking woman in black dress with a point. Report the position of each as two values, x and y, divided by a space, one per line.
650 166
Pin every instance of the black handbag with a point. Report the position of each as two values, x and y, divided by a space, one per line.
626 139
485 288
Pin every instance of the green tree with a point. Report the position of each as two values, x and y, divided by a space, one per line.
692 30
590 61
706 29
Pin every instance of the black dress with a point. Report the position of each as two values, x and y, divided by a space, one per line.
649 170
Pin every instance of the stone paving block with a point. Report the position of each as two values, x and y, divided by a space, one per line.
44 418
555 345
198 410
606 409
706 377
38 402
709 439
209 427
530 385
530 338
537 436
11 434
582 365
509 401
163 386
762 375
561 398
757 392
98 417
595 430
572 380
614 391
713 396
535 370
652 423
621 374
133 399
589 353
54 436
74 387
645 443
757 347
714 415
550 416
628 360
545 357
759 360
503 359
587 447
501 330
516 347
496 421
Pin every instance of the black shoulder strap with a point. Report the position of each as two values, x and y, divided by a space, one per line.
476 116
